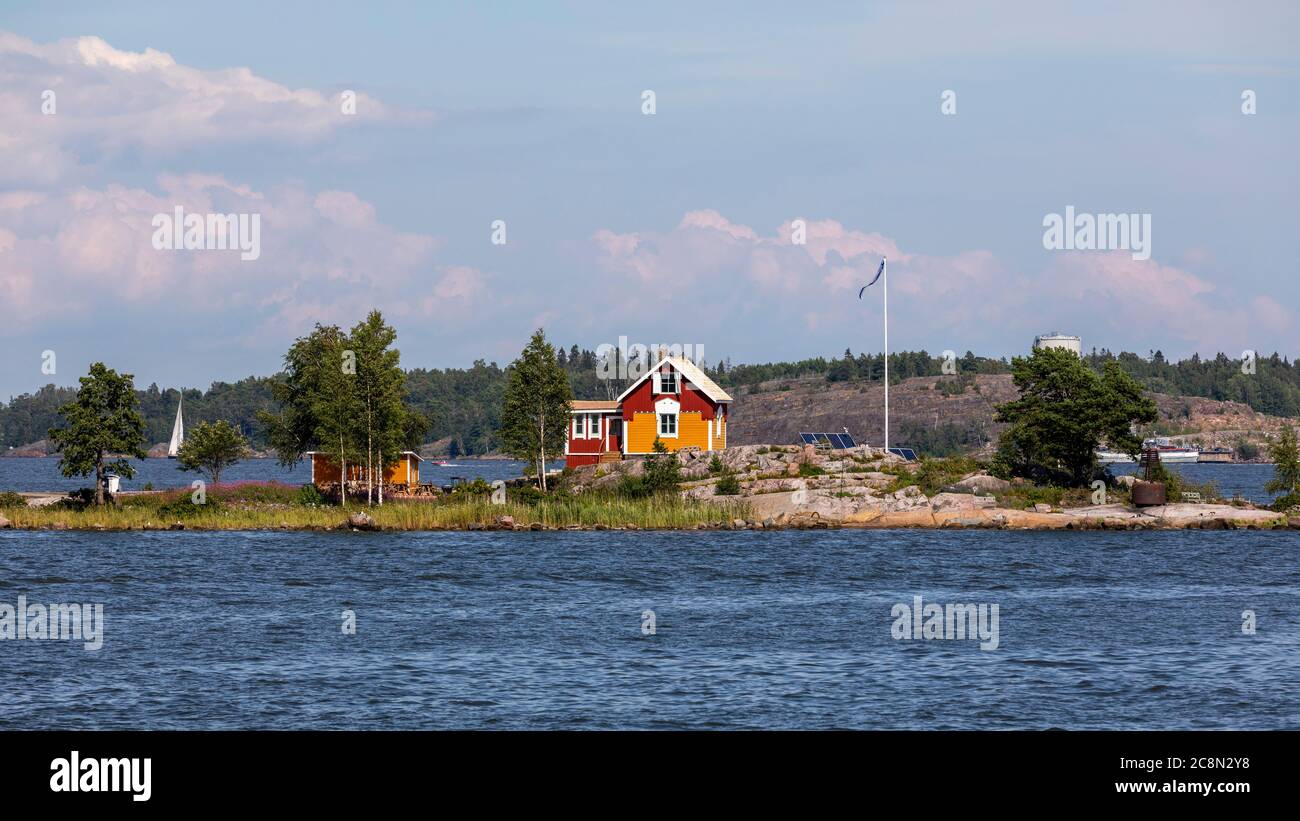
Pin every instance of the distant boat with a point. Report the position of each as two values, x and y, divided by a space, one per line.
178 432
1170 454
1114 457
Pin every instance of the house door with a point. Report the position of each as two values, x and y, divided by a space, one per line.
615 432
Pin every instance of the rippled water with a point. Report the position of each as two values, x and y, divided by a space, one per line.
543 630
1244 480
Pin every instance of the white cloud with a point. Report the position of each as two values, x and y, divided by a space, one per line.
754 287
71 257
107 100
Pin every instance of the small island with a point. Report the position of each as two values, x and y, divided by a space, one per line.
655 457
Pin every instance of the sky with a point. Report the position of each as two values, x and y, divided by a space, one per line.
788 150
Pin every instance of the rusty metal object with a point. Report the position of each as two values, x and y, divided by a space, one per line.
1148 462
1146 494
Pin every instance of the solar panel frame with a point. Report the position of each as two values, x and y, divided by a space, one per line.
835 441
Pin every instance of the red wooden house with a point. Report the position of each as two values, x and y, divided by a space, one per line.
674 401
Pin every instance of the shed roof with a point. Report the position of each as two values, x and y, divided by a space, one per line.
594 405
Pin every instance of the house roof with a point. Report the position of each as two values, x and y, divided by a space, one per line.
594 405
693 375
327 455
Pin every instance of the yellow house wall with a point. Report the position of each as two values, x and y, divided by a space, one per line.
327 471
692 431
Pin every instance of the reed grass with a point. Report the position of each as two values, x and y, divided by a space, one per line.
661 512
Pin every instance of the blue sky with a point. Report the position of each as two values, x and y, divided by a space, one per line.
675 227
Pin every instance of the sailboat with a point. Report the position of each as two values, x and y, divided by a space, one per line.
178 432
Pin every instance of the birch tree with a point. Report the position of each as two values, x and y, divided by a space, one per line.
535 411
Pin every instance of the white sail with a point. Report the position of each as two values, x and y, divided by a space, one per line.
178 433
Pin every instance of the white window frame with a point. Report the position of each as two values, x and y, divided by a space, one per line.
676 425
676 380
593 426
579 426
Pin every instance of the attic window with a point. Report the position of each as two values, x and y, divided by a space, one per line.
668 381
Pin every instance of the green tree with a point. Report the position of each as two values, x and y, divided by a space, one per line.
380 387
1286 467
103 419
318 399
662 470
1064 412
535 409
211 447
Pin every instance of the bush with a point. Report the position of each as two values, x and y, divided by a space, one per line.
715 465
632 487
1284 503
662 470
728 485
807 469
11 499
310 496
1176 485
932 475
1025 496
525 494
478 487
183 508
80 499
251 491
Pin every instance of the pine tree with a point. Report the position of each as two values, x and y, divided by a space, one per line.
1064 412
535 410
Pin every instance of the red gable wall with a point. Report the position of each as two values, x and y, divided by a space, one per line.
643 401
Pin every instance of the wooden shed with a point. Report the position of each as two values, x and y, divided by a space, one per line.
405 471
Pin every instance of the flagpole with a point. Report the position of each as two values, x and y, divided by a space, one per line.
885 265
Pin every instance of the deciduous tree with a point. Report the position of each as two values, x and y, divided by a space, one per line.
103 419
211 447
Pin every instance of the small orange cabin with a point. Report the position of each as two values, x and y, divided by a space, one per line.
405 471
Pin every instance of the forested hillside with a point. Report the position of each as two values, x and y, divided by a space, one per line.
464 404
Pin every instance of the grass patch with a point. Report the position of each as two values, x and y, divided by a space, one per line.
1021 497
658 511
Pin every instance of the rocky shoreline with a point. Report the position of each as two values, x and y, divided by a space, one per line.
764 488
790 486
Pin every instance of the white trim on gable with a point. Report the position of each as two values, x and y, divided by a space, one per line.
686 372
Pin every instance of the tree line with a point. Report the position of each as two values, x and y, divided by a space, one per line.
463 405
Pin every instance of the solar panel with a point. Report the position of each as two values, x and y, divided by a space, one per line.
907 453
835 441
